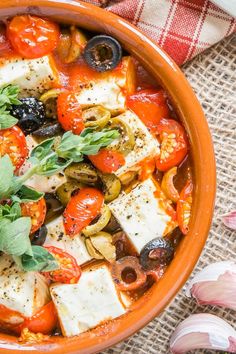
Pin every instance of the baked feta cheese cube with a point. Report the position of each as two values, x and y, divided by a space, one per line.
57 237
109 89
45 184
90 302
24 292
33 76
146 146
141 214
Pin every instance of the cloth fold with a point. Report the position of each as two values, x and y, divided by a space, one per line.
183 28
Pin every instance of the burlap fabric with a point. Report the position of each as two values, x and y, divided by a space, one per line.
213 77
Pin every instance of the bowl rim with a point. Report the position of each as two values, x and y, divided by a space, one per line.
163 68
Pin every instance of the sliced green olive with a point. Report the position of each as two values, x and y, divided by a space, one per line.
128 177
71 44
111 186
65 191
102 241
91 250
49 100
82 172
126 141
100 224
96 116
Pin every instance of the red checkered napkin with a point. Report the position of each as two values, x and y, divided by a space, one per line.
183 28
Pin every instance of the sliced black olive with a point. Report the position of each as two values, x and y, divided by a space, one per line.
48 130
103 53
39 237
54 207
31 114
157 252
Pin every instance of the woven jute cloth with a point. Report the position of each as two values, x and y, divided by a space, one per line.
213 78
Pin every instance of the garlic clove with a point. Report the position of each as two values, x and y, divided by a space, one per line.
215 285
203 331
230 220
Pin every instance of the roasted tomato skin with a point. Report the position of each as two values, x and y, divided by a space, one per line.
36 211
43 321
184 207
13 143
150 106
31 36
69 271
174 144
108 161
82 208
69 112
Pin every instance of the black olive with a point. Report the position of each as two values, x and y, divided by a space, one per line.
157 252
48 130
30 113
54 207
39 237
103 53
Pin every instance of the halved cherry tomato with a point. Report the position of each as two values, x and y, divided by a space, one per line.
37 212
108 161
69 271
150 106
147 168
31 36
82 208
13 143
69 112
174 144
43 321
184 207
10 319
5 45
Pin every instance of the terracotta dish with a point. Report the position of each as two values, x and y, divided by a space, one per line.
168 74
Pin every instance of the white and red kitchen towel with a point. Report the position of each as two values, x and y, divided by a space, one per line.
183 28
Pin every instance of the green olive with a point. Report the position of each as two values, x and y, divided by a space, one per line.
65 191
49 100
91 250
54 207
102 241
82 172
111 186
96 116
126 141
128 177
100 224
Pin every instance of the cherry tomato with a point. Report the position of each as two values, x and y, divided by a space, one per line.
82 208
69 112
13 143
31 36
43 321
5 45
147 168
108 161
174 144
37 212
69 271
150 106
10 319
184 207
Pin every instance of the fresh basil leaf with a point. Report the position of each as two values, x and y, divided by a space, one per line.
42 150
41 260
27 194
11 213
6 119
6 175
14 236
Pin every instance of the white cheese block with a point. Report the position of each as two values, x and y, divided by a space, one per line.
141 214
33 76
146 146
24 292
57 237
109 89
93 300
41 183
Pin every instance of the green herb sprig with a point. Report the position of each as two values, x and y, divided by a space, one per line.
8 97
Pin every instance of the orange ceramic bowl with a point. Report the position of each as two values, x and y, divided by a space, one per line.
186 104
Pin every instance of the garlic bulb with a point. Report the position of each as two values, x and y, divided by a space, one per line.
203 331
215 285
230 220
